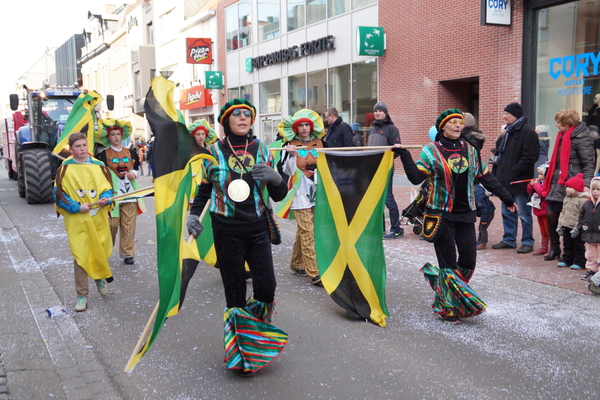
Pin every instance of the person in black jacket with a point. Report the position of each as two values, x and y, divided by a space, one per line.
339 133
384 133
517 152
589 226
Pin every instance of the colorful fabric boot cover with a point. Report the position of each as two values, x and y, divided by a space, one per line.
251 343
453 297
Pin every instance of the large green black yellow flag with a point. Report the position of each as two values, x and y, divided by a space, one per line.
351 193
175 152
81 119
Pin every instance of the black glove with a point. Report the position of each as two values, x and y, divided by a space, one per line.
194 226
263 172
574 232
560 231
402 153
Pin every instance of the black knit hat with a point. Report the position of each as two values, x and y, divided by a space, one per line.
514 109
381 106
234 104
447 116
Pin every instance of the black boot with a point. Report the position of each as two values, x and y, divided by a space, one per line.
554 253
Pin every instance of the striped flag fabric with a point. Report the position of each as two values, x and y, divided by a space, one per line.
350 199
81 119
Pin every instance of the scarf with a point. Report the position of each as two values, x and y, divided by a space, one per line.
563 145
515 126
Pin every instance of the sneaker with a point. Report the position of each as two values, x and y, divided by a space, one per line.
593 288
129 260
81 304
576 267
451 320
562 264
503 245
587 275
394 235
525 249
300 272
481 246
102 287
316 280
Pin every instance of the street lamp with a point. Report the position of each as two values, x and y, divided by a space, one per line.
166 74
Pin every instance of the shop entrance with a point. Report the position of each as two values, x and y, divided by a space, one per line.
460 93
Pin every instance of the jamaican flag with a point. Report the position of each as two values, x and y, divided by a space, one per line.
175 152
81 119
350 197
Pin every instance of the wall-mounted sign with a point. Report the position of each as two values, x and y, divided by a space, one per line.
313 47
199 51
213 79
496 12
195 97
574 70
370 41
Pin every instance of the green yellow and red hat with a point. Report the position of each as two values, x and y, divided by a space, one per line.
288 128
210 136
107 125
234 104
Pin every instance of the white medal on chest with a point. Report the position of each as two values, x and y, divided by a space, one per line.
238 190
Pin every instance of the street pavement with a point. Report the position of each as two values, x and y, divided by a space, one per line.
538 339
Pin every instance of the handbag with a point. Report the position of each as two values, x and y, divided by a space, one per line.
432 224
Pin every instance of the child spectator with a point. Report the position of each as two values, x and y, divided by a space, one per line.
485 211
589 226
86 225
539 205
573 246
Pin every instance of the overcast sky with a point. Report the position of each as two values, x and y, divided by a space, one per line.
28 27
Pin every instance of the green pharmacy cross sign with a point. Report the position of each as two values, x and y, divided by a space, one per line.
370 40
214 79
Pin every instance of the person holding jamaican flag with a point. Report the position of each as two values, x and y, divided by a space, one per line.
238 187
450 165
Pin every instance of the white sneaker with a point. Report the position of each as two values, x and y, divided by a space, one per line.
102 287
81 304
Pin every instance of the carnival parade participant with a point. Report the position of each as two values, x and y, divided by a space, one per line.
238 189
451 165
125 165
305 128
86 224
204 134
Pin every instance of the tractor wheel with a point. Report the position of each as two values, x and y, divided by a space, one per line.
20 177
38 176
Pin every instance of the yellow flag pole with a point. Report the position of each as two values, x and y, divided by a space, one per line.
403 146
143 337
125 195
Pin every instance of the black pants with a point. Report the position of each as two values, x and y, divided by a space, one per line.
233 250
456 236
573 249
483 229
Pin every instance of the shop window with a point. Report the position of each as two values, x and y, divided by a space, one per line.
316 11
339 90
238 25
364 91
361 3
270 96
567 53
297 93
295 14
244 92
167 26
337 7
268 19
316 95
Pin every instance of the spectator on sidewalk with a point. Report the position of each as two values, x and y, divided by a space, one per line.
573 246
485 211
87 226
357 139
384 133
339 133
539 206
589 226
516 151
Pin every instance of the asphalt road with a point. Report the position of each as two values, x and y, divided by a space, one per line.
535 341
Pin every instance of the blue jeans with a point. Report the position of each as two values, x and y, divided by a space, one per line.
392 207
510 221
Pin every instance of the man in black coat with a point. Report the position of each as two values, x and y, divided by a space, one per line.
339 133
517 151
384 133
